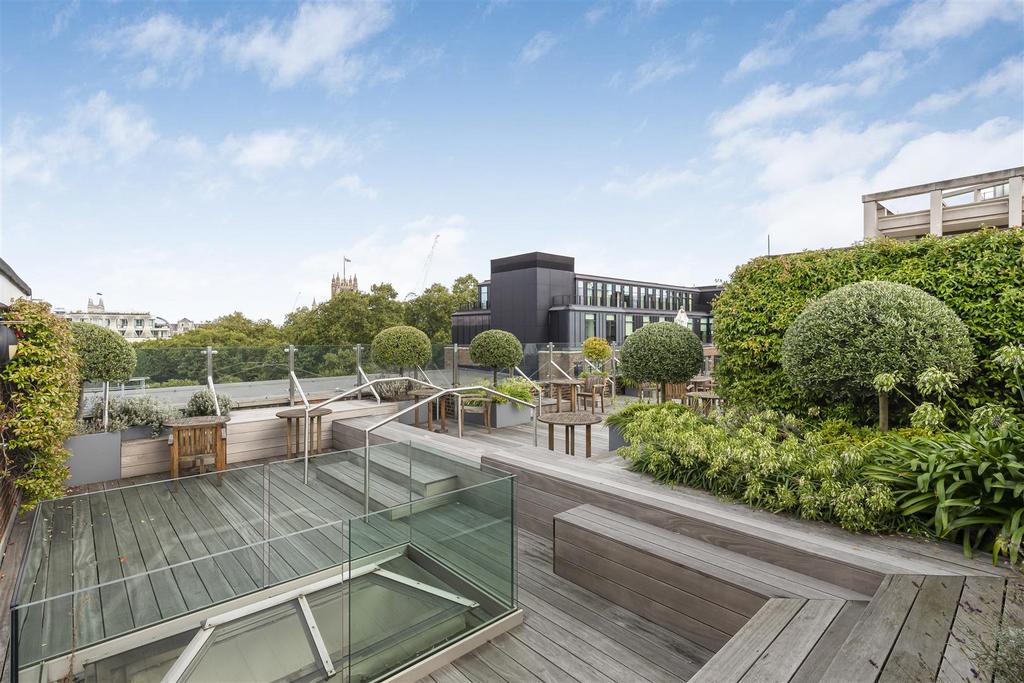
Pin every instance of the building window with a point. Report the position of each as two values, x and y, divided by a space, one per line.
589 325
485 297
590 294
139 323
609 329
646 320
629 326
579 292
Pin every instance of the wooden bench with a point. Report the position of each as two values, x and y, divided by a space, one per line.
915 628
701 591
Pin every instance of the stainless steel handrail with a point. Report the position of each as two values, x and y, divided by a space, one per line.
367 382
213 394
540 399
458 392
367 385
302 394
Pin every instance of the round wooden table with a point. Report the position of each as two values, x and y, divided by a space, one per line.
556 391
570 421
297 416
427 392
198 438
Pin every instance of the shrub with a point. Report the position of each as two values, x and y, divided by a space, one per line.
40 389
105 356
664 353
496 349
202 403
393 390
126 413
516 387
597 349
400 347
767 459
978 275
837 347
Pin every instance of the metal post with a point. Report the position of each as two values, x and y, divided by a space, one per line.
291 373
106 405
551 359
209 361
366 475
458 408
455 364
306 421
266 524
359 366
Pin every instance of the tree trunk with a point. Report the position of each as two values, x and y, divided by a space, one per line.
883 411
494 376
661 388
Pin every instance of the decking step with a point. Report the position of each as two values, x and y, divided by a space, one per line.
392 462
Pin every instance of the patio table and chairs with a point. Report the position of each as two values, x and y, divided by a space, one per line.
570 420
594 389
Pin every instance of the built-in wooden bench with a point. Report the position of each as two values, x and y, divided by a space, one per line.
915 628
701 591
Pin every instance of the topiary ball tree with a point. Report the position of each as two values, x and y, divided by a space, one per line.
841 342
664 353
496 349
401 346
597 349
103 356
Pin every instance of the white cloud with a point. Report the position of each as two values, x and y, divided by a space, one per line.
171 50
319 41
595 14
354 185
62 19
849 20
264 151
647 184
649 7
928 22
95 131
764 56
874 69
774 102
538 46
1007 78
659 69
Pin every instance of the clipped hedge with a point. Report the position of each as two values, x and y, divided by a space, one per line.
496 349
664 353
597 349
979 275
401 346
40 389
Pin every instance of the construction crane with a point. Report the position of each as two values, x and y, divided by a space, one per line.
426 264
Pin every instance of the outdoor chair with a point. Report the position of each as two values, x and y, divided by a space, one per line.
594 389
478 406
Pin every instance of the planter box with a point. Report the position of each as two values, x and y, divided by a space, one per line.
503 415
615 438
94 457
143 432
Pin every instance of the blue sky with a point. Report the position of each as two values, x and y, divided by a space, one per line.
198 158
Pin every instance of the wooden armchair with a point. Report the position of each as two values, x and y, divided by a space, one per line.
594 388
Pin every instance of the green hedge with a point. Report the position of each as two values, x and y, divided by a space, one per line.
979 275
40 390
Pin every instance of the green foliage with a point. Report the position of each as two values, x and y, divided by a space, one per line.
597 349
401 346
840 344
1002 656
40 389
202 403
664 352
104 355
516 387
496 349
233 329
766 460
432 310
125 413
979 275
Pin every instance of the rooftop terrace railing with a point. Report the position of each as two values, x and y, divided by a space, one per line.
179 566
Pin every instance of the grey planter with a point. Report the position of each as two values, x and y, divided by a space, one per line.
94 457
615 438
503 415
142 432
407 419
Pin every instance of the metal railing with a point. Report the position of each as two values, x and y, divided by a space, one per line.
457 392
209 351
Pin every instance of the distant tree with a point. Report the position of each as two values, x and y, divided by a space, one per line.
465 290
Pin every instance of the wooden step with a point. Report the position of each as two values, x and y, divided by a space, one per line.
392 462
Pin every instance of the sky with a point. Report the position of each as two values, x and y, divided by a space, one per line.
193 159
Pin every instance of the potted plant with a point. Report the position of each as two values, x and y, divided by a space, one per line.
619 420
505 413
401 347
104 356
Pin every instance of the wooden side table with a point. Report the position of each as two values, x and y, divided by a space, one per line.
570 421
440 404
197 439
295 417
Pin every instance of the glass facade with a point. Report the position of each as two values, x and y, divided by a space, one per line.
609 329
589 325
618 295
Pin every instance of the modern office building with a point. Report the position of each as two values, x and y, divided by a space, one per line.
947 207
541 298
